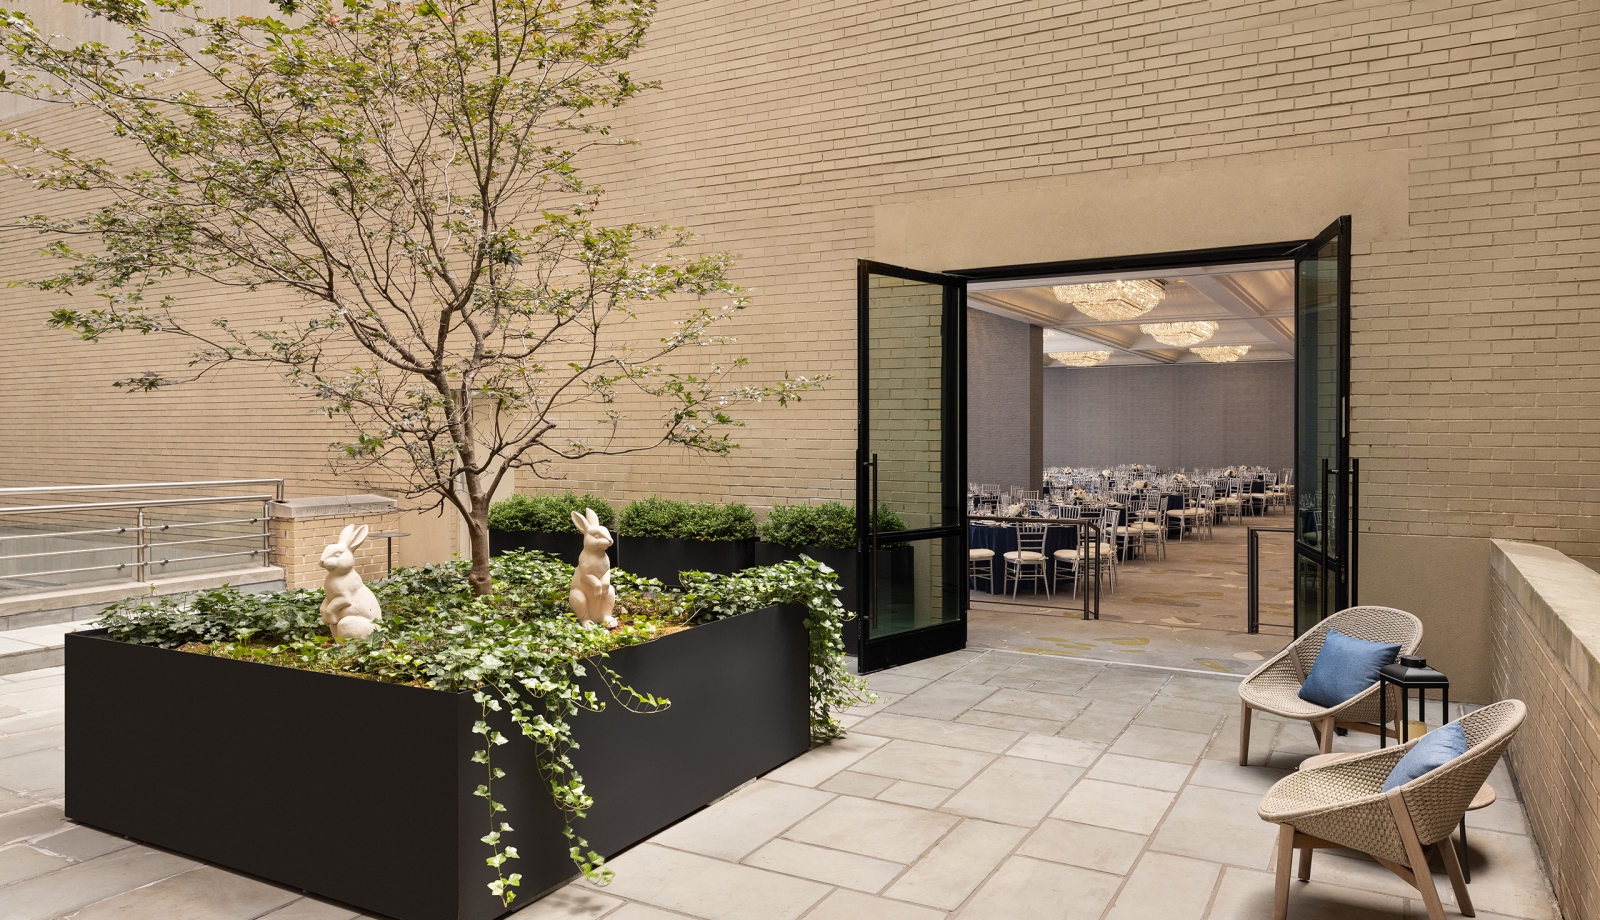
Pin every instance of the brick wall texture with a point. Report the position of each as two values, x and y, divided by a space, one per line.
297 545
1556 754
779 128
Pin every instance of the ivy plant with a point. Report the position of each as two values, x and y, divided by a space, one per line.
519 651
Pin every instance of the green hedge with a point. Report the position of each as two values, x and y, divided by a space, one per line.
832 525
660 517
547 513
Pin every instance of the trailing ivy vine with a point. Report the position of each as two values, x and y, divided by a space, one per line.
519 651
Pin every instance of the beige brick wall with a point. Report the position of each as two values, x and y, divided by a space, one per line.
800 136
297 546
1539 659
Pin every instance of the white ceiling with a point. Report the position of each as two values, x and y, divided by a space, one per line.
1251 304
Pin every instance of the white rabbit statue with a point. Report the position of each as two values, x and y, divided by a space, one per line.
592 596
349 608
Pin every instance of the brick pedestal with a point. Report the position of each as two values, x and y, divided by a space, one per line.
303 527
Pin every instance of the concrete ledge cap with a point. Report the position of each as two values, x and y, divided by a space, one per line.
1562 596
323 506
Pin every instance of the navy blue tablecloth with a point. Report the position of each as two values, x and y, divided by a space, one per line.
1003 539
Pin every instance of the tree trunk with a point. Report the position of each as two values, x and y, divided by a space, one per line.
478 538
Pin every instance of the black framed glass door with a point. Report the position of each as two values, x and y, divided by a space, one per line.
910 461
1324 525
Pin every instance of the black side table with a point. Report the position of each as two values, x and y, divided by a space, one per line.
1410 672
389 537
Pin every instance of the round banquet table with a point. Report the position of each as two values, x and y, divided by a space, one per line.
1002 538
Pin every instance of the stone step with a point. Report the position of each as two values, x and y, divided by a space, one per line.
35 646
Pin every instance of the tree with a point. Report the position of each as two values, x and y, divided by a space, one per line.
409 172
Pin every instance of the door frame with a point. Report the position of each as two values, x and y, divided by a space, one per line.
873 654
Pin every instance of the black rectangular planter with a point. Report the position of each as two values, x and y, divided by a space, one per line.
361 791
565 546
896 569
663 558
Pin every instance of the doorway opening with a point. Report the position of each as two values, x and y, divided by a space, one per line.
1179 401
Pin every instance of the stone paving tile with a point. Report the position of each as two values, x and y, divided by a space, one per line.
935 668
1104 720
1029 888
204 893
898 684
46 897
1124 685
1183 720
831 867
1228 775
1113 805
41 774
20 862
31 721
915 795
1218 825
954 869
1247 895
7 712
1138 771
577 901
634 911
1007 721
1014 790
30 822
883 830
951 734
928 764
1166 887
80 843
1070 751
860 784
1161 744
28 742
1085 845
710 888
36 698
1506 878
849 905
1034 705
820 763
942 700
743 821
316 909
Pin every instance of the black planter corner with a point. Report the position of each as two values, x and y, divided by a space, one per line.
361 791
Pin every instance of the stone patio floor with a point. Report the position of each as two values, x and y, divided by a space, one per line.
983 784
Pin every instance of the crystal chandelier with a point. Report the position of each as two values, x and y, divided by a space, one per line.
1222 354
1110 301
1180 334
1081 358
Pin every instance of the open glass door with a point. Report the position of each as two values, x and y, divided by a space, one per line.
910 462
1324 538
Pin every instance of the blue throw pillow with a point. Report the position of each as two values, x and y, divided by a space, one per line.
1345 667
1433 750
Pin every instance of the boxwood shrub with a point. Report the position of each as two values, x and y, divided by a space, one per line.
660 517
547 513
832 525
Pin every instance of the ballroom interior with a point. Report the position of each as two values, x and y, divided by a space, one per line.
1191 372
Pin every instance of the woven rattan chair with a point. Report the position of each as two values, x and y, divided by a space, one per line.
1343 804
1275 686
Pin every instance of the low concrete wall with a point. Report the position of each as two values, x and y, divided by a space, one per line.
1545 615
69 605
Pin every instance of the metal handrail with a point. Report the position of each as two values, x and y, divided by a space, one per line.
1092 557
144 549
1253 576
22 490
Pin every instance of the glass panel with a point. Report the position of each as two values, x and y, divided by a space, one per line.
906 358
915 587
1317 364
1307 593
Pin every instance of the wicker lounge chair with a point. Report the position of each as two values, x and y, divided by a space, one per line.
1343 804
1275 686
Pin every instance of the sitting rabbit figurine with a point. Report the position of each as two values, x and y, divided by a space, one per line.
349 608
592 596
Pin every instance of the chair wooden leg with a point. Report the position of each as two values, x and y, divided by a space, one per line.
1280 891
1244 734
1423 876
1325 738
1305 863
1458 881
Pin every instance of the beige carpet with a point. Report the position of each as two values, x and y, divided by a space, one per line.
1184 611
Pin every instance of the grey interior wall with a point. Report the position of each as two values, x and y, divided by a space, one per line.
1176 415
999 399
